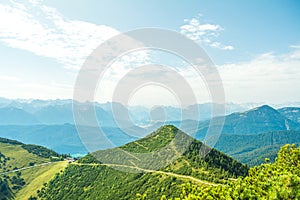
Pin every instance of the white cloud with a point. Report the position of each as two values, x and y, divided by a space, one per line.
295 54
203 33
267 78
220 46
43 31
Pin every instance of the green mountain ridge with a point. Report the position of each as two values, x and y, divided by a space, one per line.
110 175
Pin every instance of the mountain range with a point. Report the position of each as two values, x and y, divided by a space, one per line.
32 112
51 124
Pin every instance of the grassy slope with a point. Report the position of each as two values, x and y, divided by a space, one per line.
36 177
19 157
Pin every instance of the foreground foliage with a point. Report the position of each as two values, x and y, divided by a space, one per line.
279 180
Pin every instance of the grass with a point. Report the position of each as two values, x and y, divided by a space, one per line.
34 177
19 157
37 176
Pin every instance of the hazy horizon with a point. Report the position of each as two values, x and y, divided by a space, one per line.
249 104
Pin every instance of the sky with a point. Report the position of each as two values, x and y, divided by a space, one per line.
255 46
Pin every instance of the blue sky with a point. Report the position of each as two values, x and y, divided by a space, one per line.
255 44
253 27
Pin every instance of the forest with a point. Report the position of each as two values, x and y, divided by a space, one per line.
278 180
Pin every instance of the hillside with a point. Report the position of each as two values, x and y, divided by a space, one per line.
252 149
157 166
23 168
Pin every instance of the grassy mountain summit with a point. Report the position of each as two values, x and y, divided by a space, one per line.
152 152
164 147
155 165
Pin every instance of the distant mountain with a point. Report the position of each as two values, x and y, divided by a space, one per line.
198 112
292 113
55 114
32 105
60 111
12 115
254 121
63 113
103 181
257 120
62 138
50 113
4 102
139 114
